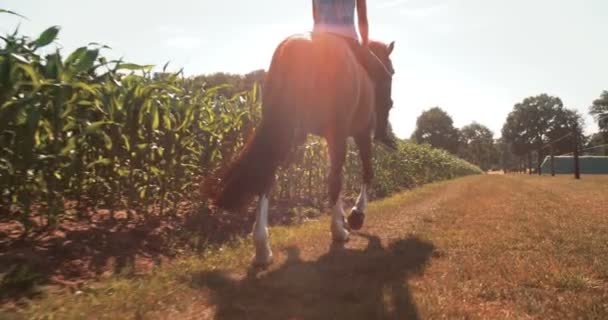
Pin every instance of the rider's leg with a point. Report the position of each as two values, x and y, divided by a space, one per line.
381 77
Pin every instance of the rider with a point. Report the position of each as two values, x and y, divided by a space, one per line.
338 17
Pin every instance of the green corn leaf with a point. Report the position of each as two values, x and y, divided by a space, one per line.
46 128
54 66
87 61
214 90
75 56
187 119
107 140
133 66
6 166
155 118
69 147
125 140
13 13
71 125
100 162
95 127
92 89
20 115
101 46
68 110
33 75
20 58
156 171
47 37
167 121
123 172
160 86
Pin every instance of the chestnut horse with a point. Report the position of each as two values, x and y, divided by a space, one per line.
314 85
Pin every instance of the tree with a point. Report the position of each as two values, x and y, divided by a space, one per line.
598 144
477 145
599 110
436 128
236 83
561 131
536 121
505 157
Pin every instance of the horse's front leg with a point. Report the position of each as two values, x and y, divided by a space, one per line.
337 152
357 215
263 254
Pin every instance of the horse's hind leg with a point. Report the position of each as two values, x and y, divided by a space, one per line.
263 254
357 215
337 151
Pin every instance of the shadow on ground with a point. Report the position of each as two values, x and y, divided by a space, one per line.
343 284
81 250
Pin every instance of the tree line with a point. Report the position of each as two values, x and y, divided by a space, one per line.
474 142
536 127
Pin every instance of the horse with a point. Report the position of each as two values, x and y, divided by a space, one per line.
314 85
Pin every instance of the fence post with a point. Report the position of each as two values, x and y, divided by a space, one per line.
577 167
539 157
552 161
530 163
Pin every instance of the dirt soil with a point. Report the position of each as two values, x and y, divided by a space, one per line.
102 244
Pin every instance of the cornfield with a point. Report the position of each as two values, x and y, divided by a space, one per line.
81 131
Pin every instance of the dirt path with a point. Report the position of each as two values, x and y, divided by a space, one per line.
482 247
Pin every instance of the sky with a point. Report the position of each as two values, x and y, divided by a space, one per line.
473 58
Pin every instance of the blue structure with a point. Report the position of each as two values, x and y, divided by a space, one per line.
565 165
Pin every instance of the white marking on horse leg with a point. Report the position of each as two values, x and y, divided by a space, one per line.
361 204
338 231
263 254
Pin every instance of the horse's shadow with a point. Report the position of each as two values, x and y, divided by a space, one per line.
342 284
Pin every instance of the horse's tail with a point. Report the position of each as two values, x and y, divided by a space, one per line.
253 171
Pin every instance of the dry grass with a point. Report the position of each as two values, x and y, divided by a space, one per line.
520 247
483 247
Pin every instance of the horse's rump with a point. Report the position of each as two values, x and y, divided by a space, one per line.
317 77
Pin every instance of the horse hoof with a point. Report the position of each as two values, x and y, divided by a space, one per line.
346 226
355 220
343 238
261 262
340 236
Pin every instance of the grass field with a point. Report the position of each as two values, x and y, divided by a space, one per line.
481 247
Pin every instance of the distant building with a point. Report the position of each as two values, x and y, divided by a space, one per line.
565 165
